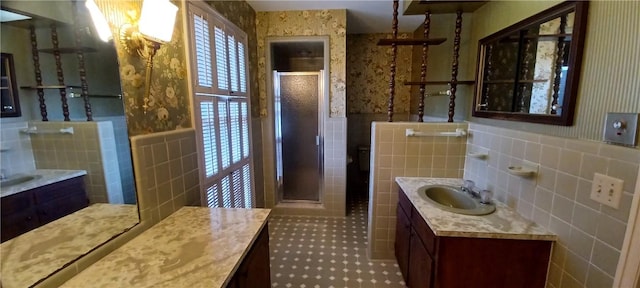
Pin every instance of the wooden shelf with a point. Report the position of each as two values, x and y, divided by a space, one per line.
512 81
412 41
67 50
418 7
49 87
468 82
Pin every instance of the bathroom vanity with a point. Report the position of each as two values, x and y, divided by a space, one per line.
39 198
194 247
437 248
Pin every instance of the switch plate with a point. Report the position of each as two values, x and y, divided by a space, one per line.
606 190
621 128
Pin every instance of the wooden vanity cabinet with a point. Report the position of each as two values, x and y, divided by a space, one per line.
25 211
254 271
444 262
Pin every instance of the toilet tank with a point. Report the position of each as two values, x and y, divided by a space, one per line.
364 157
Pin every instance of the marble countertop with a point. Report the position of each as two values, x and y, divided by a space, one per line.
42 177
194 247
504 223
36 254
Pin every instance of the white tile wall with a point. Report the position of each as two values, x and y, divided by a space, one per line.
16 154
590 234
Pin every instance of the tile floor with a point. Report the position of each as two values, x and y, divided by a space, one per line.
325 252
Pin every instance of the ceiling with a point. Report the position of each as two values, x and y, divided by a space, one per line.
363 16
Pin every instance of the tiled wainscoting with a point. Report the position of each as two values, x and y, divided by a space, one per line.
91 147
394 154
166 166
590 234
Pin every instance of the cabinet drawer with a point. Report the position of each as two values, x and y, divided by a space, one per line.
403 202
423 231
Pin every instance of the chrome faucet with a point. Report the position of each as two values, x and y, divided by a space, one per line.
469 188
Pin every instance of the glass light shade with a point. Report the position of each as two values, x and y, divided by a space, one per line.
157 20
99 21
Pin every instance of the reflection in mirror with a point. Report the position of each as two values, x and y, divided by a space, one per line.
529 71
67 186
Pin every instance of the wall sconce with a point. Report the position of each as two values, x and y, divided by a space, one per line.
144 38
99 21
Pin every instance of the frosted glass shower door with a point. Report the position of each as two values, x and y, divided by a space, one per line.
298 137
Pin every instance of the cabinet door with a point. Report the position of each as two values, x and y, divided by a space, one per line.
254 271
403 236
420 264
18 223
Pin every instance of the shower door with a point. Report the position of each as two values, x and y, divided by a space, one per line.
298 127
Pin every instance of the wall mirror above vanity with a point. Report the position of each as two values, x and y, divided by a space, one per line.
530 71
67 187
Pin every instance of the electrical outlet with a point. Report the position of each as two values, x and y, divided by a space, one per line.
606 190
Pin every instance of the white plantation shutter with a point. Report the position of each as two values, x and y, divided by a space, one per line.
222 120
202 51
233 63
242 68
221 59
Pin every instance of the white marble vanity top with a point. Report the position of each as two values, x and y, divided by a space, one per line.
194 247
34 255
44 177
504 223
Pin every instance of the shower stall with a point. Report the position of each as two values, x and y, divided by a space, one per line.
298 135
298 89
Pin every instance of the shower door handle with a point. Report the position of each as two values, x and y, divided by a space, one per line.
317 140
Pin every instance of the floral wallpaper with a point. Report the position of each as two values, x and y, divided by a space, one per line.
368 74
242 15
307 23
168 105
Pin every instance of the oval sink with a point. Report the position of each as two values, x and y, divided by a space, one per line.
18 180
452 199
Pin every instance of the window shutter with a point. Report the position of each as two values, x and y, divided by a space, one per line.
234 115
237 193
246 176
202 51
221 58
208 131
233 63
226 192
224 134
245 129
242 68
212 196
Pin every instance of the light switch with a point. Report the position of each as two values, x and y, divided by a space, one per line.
621 128
606 190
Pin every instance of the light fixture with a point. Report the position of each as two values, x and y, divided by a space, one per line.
99 21
144 38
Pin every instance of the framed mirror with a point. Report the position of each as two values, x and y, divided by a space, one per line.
67 187
530 71
10 101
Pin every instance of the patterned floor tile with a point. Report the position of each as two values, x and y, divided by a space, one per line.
324 252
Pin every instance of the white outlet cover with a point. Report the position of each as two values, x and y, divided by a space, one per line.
607 190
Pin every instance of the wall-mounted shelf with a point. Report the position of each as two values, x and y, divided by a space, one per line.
418 7
512 81
458 133
411 41
67 50
35 130
469 82
49 87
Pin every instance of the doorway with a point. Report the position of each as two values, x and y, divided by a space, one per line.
298 87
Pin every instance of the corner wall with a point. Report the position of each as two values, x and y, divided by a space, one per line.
393 154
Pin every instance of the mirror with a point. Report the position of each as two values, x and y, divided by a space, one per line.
530 71
67 186
10 103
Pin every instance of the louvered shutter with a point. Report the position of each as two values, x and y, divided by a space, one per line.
222 118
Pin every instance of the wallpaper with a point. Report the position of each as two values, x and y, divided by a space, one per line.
307 23
242 15
368 74
168 98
